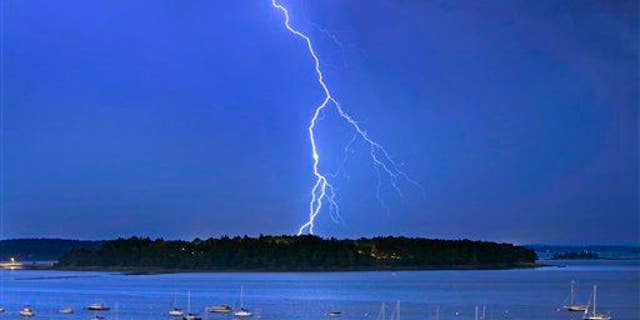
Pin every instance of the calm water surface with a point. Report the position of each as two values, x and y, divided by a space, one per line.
507 294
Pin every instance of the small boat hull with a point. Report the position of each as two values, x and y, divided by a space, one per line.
576 308
221 309
98 308
66 311
27 312
176 313
243 313
598 317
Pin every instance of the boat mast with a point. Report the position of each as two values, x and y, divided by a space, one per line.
188 301
437 312
595 293
241 303
572 292
476 312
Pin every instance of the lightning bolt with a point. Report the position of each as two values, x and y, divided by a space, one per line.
323 190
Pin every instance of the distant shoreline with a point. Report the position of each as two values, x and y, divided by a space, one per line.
152 270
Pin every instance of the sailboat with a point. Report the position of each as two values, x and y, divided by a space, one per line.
594 315
27 311
572 305
242 312
175 312
189 315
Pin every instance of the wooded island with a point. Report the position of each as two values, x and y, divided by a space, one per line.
297 253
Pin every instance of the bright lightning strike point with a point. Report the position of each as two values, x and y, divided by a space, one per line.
323 190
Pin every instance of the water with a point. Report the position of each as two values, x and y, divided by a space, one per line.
507 294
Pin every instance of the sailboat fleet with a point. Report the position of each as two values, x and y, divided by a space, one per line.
589 309
222 309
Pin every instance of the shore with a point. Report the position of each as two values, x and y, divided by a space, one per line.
153 270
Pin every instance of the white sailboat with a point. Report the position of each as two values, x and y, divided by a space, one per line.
27 311
175 312
189 315
242 312
594 315
572 305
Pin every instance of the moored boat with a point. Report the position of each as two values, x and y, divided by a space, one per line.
98 307
176 312
243 312
594 315
66 310
191 316
573 307
221 309
27 311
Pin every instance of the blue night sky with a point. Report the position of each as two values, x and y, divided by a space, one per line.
189 118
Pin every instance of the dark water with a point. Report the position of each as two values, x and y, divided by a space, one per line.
507 294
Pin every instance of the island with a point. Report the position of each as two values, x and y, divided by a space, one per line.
582 255
295 253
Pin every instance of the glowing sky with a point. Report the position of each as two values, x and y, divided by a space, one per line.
184 119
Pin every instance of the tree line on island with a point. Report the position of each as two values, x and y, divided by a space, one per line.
297 253
568 255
